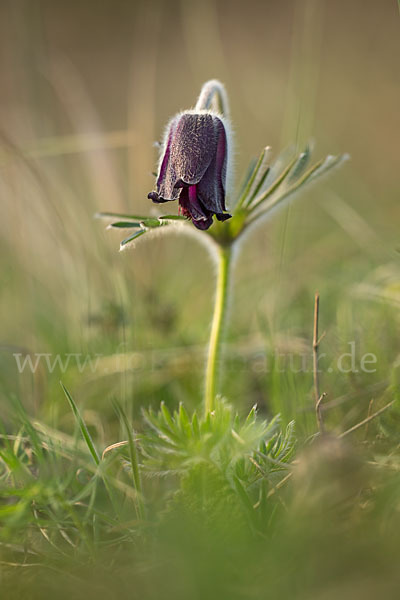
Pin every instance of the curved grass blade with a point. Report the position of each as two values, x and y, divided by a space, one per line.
82 425
89 442
133 455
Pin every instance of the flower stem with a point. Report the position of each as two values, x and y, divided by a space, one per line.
217 327
213 97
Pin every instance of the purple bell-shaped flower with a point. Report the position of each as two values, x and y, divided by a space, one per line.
193 167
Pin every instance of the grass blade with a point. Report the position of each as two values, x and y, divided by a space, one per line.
133 455
82 425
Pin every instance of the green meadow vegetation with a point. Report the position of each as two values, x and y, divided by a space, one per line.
207 414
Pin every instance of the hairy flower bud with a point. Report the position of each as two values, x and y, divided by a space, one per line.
193 167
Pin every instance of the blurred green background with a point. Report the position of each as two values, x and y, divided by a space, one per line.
86 89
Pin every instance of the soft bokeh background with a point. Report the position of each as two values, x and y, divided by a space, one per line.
86 89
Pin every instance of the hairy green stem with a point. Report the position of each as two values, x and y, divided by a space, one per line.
217 327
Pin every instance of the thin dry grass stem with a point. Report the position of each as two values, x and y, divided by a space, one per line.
258 467
113 447
367 420
316 342
318 412
279 484
368 415
375 388
6 563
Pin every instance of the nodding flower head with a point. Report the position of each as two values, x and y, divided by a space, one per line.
193 167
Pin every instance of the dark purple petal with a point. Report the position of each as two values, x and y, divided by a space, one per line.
223 216
192 208
156 198
191 146
203 225
211 189
164 164
196 210
193 167
190 205
167 177
195 147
